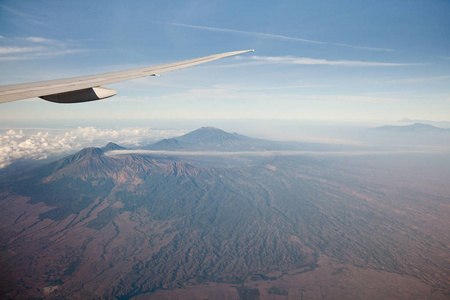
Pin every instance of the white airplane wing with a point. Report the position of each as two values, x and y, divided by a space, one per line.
88 88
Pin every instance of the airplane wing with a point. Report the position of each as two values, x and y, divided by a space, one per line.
88 88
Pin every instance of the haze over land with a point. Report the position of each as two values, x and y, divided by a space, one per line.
41 141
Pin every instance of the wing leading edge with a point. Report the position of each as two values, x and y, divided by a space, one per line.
89 88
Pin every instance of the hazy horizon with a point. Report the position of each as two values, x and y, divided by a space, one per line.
37 143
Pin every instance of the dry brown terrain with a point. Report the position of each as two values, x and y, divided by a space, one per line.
94 226
331 280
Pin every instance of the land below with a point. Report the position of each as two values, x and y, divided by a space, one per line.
160 226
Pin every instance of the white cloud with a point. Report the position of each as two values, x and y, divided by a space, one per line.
290 60
275 36
16 144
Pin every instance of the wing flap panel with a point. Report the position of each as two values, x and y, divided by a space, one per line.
85 95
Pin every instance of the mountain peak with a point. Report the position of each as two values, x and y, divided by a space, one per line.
209 128
82 155
209 134
89 151
204 132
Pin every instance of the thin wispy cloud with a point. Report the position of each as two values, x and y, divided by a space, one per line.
27 17
290 60
356 99
37 39
145 81
10 50
421 79
260 34
43 55
12 11
262 88
362 47
292 97
445 57
35 47
275 36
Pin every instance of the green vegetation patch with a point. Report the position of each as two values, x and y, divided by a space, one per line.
104 217
278 290
246 293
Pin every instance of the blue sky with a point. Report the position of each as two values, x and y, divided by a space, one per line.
374 61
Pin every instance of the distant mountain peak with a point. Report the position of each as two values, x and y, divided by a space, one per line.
416 127
210 139
209 128
204 132
422 125
112 146
209 133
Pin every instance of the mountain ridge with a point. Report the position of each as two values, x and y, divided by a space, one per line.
412 128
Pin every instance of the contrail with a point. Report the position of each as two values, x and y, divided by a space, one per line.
274 36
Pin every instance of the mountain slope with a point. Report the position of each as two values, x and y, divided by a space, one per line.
93 225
